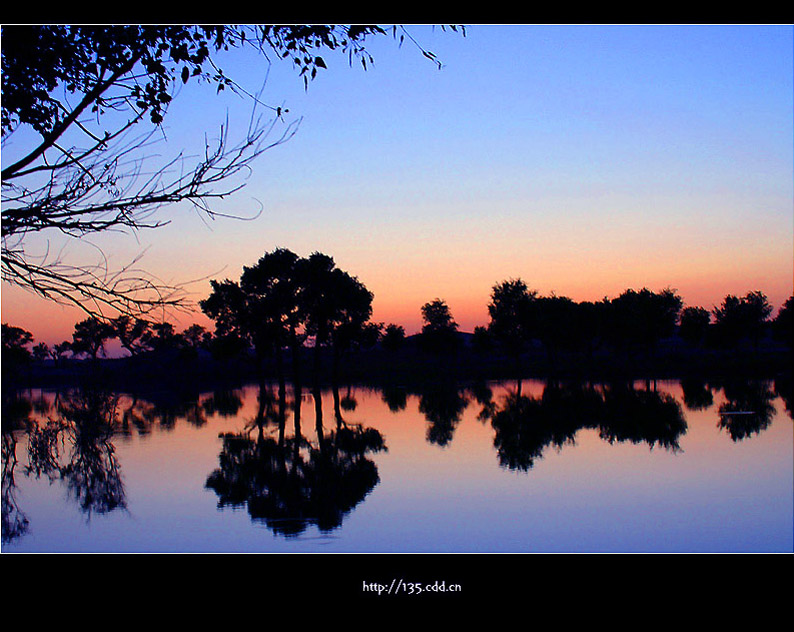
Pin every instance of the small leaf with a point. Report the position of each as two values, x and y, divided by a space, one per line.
320 62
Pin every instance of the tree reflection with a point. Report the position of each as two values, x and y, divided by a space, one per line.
290 472
73 444
783 390
642 416
395 397
226 403
442 404
697 394
526 426
291 482
748 409
92 473
14 521
483 395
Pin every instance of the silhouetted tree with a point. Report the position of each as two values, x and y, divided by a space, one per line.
439 329
15 344
364 337
267 309
335 306
41 352
226 305
482 341
191 339
195 336
694 325
513 319
349 325
59 351
556 325
90 336
642 318
133 333
745 317
162 338
590 326
783 325
393 337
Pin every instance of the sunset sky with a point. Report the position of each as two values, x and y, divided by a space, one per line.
584 159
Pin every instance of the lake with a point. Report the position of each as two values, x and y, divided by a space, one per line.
497 467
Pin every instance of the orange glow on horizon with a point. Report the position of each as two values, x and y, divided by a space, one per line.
53 323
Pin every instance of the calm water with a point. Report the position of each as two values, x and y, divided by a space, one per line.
547 468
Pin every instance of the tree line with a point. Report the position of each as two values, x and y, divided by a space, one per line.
286 307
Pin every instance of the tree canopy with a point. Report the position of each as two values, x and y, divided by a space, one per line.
284 299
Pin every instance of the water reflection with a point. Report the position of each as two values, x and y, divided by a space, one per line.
14 521
442 404
748 409
697 394
68 439
289 482
783 389
91 472
525 426
292 472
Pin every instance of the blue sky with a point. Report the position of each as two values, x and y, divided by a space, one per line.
584 159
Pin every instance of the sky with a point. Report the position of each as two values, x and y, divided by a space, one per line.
585 160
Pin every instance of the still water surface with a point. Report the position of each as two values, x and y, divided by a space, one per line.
498 467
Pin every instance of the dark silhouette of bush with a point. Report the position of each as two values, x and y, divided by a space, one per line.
642 318
783 325
694 325
439 330
393 337
742 318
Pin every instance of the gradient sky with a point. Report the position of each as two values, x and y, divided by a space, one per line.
584 159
